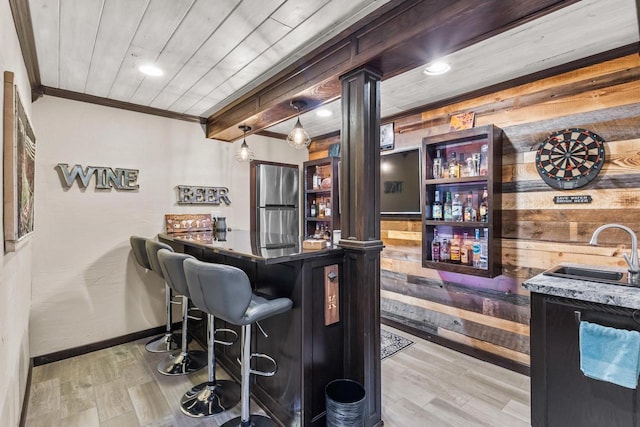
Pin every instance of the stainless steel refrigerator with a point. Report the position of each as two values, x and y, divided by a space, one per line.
277 202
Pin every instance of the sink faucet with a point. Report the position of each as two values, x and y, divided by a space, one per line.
634 265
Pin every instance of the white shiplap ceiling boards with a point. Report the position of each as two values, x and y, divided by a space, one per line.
214 51
208 49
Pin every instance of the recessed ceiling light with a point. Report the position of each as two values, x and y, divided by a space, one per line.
150 70
436 68
323 112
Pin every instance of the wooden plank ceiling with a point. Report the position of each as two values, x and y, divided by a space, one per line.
207 49
219 57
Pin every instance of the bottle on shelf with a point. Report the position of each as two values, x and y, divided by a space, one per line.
321 209
314 209
436 208
435 246
444 251
466 251
476 249
327 209
316 235
456 208
316 179
469 166
484 207
454 166
469 211
448 214
484 160
437 166
454 249
484 250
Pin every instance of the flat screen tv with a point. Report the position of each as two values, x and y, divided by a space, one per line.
400 183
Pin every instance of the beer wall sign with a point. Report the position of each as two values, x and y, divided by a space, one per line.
196 195
105 178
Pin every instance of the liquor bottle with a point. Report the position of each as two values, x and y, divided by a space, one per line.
435 246
314 209
468 209
437 166
484 207
444 251
484 250
321 209
454 167
456 208
470 166
317 233
448 208
327 209
476 249
466 252
454 249
484 160
436 208
315 180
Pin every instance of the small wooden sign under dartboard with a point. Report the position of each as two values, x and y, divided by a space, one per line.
570 158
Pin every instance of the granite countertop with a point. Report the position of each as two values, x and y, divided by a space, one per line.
603 293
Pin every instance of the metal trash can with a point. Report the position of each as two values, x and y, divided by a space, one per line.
345 403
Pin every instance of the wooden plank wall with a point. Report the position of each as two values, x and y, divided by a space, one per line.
492 315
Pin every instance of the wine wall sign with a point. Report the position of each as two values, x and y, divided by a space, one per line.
105 178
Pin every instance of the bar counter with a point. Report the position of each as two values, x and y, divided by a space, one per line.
308 342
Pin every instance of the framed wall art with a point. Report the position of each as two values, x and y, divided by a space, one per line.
19 144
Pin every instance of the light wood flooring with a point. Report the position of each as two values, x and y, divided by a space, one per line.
422 385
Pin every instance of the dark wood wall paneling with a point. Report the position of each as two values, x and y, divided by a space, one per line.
489 317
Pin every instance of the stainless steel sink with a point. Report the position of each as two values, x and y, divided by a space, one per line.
588 274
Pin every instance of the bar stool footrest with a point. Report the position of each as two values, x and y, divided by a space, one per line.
263 373
226 331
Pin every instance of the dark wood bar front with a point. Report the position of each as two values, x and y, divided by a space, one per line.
308 342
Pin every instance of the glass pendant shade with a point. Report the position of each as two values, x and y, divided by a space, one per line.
244 154
298 138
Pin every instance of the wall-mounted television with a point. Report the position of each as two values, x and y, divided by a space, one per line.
400 183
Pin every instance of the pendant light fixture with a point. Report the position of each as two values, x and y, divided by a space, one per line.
244 154
298 138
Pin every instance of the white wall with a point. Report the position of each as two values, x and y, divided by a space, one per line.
15 270
86 285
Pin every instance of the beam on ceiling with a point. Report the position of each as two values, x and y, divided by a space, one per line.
398 37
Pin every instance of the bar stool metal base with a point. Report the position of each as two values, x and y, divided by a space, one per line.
254 421
183 363
204 400
164 343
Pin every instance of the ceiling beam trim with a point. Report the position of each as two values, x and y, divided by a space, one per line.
24 29
404 35
83 97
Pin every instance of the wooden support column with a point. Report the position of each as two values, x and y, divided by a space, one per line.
360 221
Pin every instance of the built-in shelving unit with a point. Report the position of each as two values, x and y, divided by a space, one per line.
478 152
323 194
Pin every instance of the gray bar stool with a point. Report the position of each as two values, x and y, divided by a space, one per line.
225 292
184 361
169 341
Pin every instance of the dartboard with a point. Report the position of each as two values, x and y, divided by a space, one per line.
570 158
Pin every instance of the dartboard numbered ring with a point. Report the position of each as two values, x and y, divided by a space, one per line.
570 158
